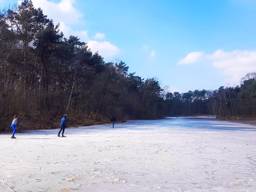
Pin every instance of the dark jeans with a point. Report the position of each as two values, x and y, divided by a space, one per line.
62 130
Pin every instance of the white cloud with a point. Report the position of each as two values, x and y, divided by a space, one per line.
99 36
64 10
233 64
65 13
104 48
71 22
67 30
191 58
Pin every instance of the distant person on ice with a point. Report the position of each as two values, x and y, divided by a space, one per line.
113 120
63 125
13 126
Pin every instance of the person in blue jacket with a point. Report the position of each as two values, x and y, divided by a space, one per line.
63 125
13 126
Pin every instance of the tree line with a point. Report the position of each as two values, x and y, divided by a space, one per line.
236 102
225 103
43 74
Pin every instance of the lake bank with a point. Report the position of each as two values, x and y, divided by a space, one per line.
245 120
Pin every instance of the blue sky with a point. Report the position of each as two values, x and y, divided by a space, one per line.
184 44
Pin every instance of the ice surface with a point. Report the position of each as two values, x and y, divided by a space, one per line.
173 154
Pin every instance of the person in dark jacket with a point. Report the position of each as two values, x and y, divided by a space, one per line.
113 120
63 125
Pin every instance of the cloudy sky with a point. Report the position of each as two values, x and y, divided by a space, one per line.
184 44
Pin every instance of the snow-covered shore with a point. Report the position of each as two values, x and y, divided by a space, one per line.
176 154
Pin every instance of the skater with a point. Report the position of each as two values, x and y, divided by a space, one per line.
13 126
113 120
63 125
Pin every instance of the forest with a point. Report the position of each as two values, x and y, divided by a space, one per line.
44 74
225 103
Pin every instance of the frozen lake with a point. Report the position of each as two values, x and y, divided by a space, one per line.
173 154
